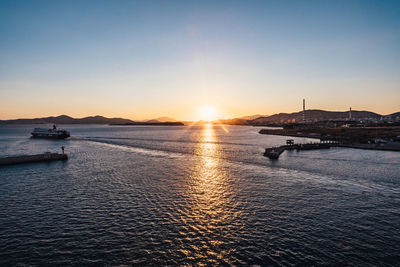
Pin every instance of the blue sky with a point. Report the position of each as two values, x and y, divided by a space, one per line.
144 59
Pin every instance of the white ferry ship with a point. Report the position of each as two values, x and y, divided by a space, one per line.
50 133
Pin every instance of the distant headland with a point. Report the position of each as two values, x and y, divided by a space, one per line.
167 123
280 119
313 116
64 119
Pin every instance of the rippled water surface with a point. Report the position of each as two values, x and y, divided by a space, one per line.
195 195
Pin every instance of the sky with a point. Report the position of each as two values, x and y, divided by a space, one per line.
146 59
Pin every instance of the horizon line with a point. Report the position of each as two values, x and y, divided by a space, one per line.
229 118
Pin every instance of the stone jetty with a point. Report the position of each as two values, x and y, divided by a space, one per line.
32 158
275 152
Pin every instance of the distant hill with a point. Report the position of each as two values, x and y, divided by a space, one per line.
245 120
162 119
236 121
314 115
167 123
252 117
64 119
393 115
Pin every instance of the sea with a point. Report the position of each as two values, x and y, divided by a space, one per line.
195 195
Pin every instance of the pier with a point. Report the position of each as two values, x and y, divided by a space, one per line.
275 152
45 157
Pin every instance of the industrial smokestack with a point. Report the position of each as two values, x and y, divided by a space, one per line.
350 114
304 110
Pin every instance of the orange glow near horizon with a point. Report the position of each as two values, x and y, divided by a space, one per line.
208 113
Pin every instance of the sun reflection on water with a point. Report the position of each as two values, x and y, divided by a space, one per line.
211 198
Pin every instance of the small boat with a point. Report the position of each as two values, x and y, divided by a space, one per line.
50 133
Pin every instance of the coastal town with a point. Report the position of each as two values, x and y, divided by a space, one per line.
363 132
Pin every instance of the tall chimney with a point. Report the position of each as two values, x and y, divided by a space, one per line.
350 114
304 110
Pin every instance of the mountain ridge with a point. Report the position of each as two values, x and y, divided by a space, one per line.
162 119
311 116
65 119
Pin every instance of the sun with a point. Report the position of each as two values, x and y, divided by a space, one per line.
207 113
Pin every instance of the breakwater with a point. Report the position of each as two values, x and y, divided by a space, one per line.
378 138
32 158
275 152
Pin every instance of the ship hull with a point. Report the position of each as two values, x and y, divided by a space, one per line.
49 136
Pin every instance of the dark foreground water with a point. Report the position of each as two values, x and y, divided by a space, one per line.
195 195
